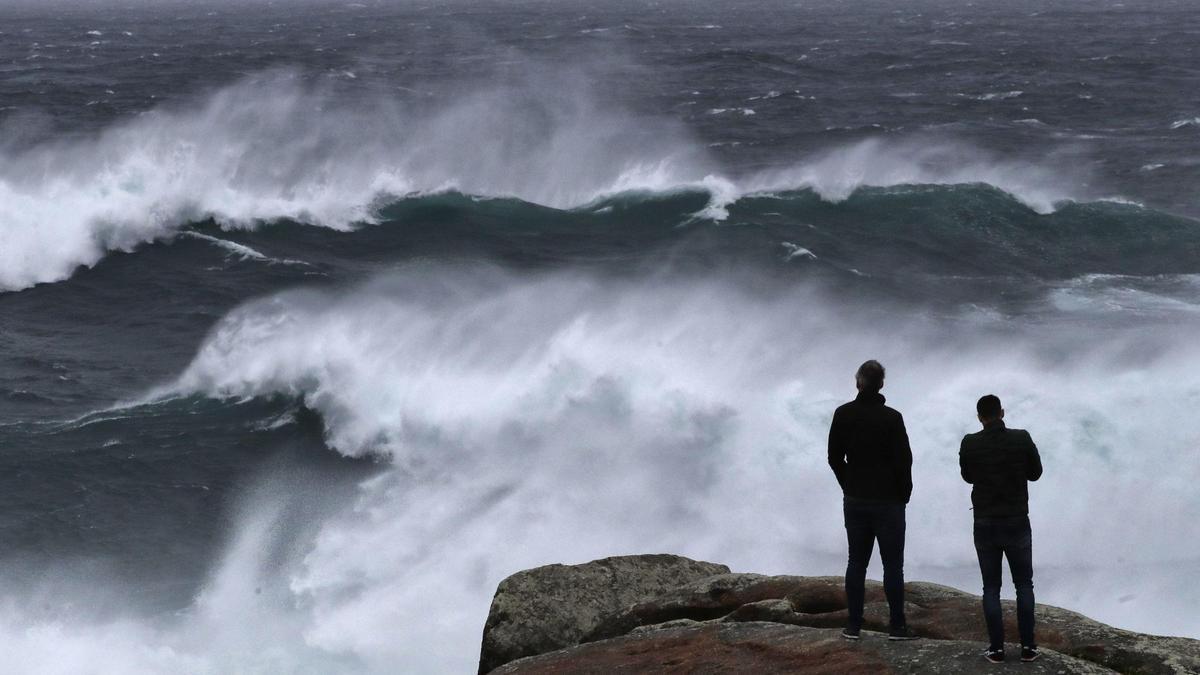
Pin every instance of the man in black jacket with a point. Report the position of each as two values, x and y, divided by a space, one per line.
869 454
999 462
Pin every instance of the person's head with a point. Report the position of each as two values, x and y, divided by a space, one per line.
869 377
989 409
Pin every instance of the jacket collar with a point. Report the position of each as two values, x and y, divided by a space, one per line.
872 397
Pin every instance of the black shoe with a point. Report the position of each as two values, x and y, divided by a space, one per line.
851 633
902 633
994 655
1029 653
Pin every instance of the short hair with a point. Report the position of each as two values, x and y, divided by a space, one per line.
870 376
988 407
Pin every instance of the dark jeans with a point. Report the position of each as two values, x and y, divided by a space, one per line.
866 521
996 538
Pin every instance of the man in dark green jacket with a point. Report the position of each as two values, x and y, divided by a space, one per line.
999 462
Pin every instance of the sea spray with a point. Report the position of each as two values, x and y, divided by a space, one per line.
581 326
274 146
564 417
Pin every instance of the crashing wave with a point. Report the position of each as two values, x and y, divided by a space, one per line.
272 147
520 411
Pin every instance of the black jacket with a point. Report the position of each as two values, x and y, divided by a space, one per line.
999 461
868 450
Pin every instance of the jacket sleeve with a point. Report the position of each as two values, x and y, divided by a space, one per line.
837 450
963 465
902 459
1033 461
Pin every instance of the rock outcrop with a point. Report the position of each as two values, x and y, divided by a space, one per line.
665 614
556 606
758 647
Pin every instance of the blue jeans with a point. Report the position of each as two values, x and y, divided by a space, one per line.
996 538
866 521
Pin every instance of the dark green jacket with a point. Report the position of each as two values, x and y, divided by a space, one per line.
999 462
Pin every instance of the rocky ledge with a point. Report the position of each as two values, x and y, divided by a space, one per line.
664 613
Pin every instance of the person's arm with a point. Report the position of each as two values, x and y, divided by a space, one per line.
1033 461
963 465
902 458
837 450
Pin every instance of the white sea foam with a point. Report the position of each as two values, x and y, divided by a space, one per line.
245 620
271 147
838 173
241 250
796 251
1163 295
559 418
1124 201
997 95
745 112
565 418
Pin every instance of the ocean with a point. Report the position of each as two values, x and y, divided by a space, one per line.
319 319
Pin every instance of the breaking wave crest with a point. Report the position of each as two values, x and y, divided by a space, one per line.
522 419
536 420
274 147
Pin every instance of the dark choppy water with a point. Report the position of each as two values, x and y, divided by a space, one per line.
318 320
